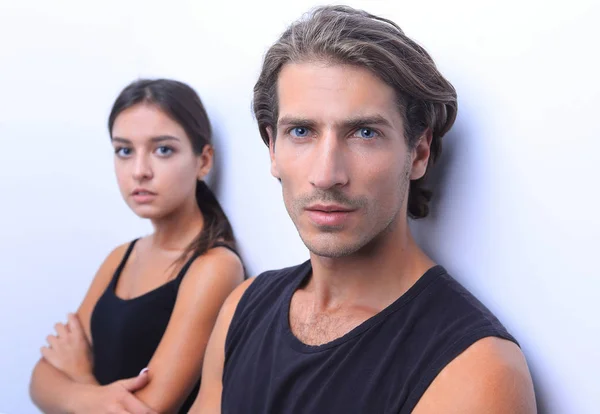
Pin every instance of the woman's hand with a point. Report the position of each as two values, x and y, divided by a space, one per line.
115 398
69 351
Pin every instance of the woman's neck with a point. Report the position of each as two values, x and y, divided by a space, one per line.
177 230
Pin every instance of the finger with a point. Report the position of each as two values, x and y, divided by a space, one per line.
52 341
46 352
49 356
61 330
74 325
135 406
136 383
77 329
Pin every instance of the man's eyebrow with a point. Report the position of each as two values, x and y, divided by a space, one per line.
350 123
361 121
296 121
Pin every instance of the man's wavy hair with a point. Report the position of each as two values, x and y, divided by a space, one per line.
343 35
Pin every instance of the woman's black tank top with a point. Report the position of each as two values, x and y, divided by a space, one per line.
384 365
126 332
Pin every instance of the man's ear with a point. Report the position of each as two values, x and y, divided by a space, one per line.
420 155
274 169
205 161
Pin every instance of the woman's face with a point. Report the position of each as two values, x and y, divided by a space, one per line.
155 163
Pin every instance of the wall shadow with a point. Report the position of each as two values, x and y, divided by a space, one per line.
215 180
426 231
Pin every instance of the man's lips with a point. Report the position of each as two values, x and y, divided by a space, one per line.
329 208
329 215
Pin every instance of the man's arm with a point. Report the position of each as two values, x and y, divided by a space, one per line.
491 377
209 398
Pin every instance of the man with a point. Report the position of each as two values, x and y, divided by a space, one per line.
353 112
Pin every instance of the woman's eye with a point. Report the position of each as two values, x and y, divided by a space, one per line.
299 132
366 133
164 151
123 151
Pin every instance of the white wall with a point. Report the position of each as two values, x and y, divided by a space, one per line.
517 216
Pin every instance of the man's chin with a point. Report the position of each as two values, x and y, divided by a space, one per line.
330 246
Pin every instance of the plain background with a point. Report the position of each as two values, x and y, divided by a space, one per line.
516 214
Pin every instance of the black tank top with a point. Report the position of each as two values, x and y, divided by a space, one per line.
384 365
126 332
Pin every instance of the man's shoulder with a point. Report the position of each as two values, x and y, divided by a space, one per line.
489 376
466 344
448 301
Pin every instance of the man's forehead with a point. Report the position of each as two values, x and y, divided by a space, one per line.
333 93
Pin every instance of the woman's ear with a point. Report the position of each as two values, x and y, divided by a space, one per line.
205 161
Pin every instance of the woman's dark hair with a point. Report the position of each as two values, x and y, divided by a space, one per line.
183 105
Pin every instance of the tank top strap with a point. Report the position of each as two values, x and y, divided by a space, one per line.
123 262
186 267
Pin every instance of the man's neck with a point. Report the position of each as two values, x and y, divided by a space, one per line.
372 278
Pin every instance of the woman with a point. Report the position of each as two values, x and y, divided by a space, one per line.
154 301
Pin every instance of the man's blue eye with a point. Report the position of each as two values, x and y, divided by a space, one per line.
366 133
164 150
299 132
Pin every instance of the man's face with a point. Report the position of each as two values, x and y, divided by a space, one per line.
341 156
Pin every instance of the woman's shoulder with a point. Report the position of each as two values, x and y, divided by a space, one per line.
218 262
